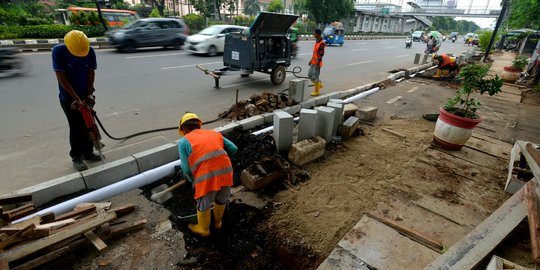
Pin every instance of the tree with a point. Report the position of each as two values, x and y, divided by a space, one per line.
142 9
524 14
119 4
155 13
275 6
206 7
327 11
252 7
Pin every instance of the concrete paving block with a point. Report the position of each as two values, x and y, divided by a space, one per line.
342 94
227 128
44 192
342 259
364 87
349 110
349 127
391 77
325 122
321 100
335 95
110 173
307 125
417 58
156 157
338 116
308 104
268 118
283 129
251 122
367 113
335 100
400 74
307 150
298 88
293 109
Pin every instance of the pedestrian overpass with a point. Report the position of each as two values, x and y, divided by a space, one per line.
444 11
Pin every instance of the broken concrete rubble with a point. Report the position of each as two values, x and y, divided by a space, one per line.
367 113
307 150
348 128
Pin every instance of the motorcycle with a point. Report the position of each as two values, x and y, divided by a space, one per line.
454 39
408 43
11 64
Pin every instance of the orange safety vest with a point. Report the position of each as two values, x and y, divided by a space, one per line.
446 60
316 59
209 163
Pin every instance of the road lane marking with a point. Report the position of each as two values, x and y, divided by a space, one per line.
359 63
391 47
394 100
403 55
202 64
356 50
360 43
303 53
384 42
412 89
154 55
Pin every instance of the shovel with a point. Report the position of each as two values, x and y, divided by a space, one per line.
162 193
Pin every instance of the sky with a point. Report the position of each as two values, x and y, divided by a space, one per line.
461 4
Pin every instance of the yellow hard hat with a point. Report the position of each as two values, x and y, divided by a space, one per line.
434 56
186 117
77 43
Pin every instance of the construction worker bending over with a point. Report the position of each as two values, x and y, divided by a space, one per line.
446 64
74 63
205 162
316 62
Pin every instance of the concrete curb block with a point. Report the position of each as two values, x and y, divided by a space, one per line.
118 170
356 37
48 44
110 173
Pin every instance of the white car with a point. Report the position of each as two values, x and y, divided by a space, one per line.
211 40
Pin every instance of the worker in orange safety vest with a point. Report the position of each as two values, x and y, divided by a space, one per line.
446 64
316 62
204 158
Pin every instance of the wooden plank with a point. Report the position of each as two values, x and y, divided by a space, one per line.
40 244
4 237
18 212
137 225
394 133
477 244
16 237
56 224
534 153
535 167
105 205
36 233
12 199
95 240
532 214
43 259
123 210
48 217
4 265
415 235
75 213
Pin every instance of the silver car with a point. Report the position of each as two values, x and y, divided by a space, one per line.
149 32
211 40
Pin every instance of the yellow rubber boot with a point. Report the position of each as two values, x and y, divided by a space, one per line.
219 209
317 89
446 73
202 228
438 75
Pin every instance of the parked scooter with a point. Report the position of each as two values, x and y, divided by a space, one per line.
408 42
454 39
11 64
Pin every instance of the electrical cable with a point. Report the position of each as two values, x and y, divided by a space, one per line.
143 132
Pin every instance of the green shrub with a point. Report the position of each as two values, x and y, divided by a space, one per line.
484 38
195 22
155 13
244 20
47 31
520 62
307 28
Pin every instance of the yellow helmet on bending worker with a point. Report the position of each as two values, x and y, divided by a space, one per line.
185 118
77 43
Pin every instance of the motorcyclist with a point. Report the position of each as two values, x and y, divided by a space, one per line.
293 36
431 45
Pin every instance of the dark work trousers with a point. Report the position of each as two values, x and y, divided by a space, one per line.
78 134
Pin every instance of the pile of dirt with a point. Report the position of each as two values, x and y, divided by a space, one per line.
453 82
258 104
531 97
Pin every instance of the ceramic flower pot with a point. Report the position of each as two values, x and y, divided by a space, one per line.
510 74
452 131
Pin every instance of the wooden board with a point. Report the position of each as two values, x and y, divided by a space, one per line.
531 193
95 240
48 217
477 244
122 210
43 259
535 167
40 244
500 150
75 213
105 205
16 237
56 224
12 199
18 212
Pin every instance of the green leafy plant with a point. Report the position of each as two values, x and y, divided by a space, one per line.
195 22
275 6
474 80
520 62
155 13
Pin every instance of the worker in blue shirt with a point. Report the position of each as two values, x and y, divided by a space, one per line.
74 63
204 158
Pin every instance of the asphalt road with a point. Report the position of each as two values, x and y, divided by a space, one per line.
152 89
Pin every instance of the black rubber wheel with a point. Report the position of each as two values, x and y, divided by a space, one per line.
177 44
278 75
244 75
212 50
130 46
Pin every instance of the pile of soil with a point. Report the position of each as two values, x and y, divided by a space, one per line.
452 82
258 104
530 98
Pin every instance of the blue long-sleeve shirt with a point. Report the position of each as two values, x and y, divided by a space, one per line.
184 149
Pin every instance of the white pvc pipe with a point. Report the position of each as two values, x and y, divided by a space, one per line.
103 193
268 129
361 95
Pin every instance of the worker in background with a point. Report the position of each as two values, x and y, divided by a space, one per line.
293 36
204 156
316 62
446 64
74 63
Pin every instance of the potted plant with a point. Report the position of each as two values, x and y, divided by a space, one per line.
458 117
511 74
